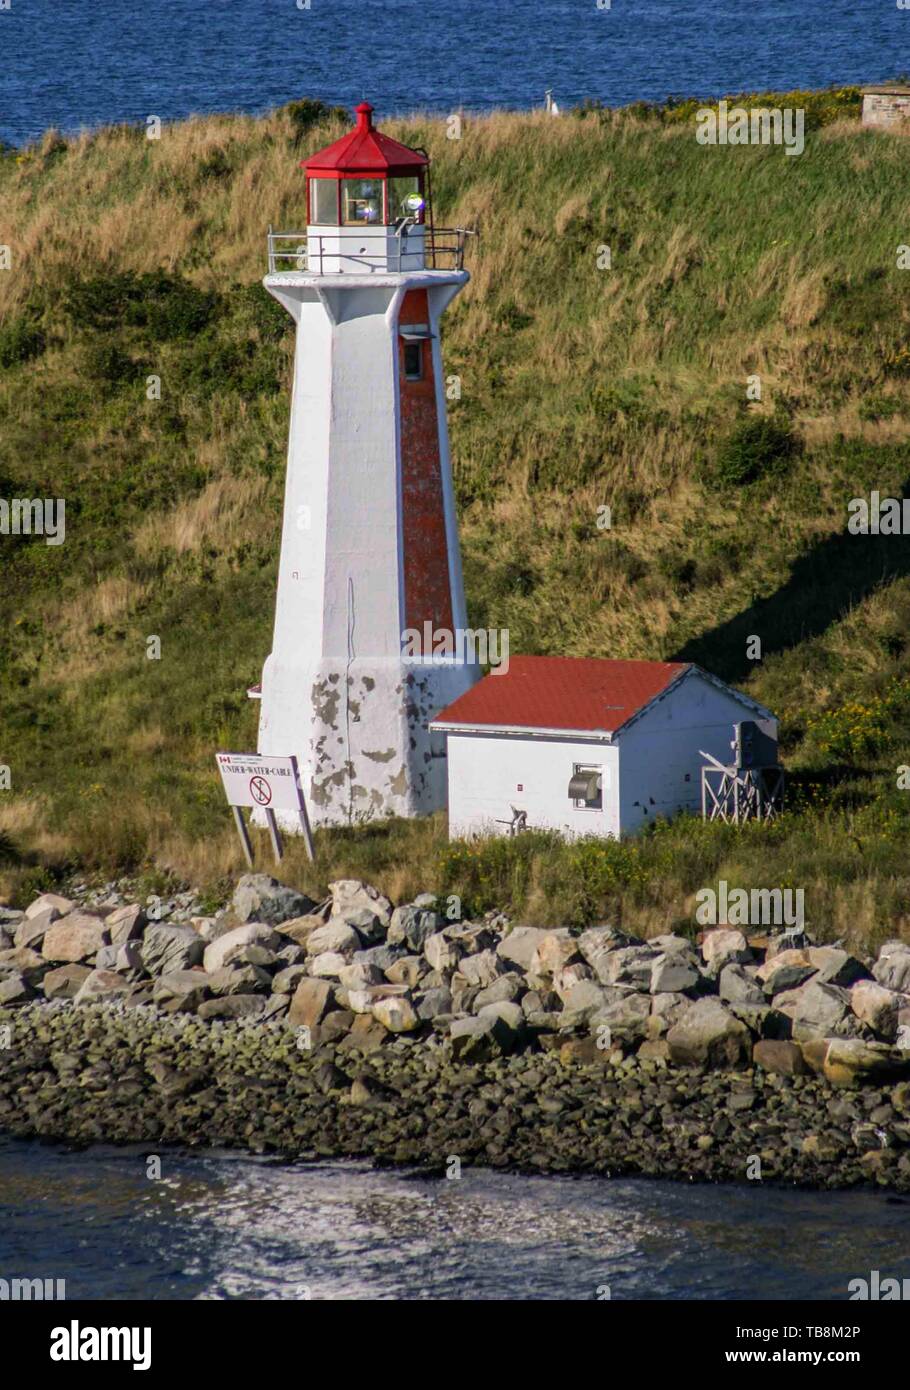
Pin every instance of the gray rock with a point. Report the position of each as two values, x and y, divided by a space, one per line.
20 960
396 1013
31 930
892 969
707 1034
511 1014
260 898
629 965
725 946
106 958
411 926
65 982
311 1002
432 1003
287 980
480 1039
815 1010
350 895
481 969
76 937
239 978
166 948
877 1007
101 985
626 1017
380 956
737 987
233 1006
49 901
126 924
181 991
337 936
672 972
441 953
518 946
14 989
232 945
507 988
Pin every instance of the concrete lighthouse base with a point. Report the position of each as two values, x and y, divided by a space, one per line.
359 730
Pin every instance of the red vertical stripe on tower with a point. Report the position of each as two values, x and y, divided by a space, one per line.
427 592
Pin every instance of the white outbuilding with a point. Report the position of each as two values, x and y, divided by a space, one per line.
587 747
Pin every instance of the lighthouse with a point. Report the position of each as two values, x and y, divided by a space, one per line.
369 541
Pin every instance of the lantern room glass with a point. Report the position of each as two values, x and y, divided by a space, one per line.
324 202
400 190
362 202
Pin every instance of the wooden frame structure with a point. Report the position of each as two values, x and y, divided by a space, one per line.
737 794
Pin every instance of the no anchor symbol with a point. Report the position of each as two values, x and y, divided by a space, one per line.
260 790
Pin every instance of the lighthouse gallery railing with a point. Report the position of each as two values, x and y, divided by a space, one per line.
443 249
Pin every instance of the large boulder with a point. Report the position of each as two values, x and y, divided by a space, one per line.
350 895
396 1013
517 946
443 954
31 931
480 1039
736 986
102 985
49 902
232 944
553 951
816 1011
336 935
14 989
411 926
65 982
672 972
629 965
261 898
725 946
709 1035
20 960
126 924
166 948
234 1006
482 969
892 969
181 991
786 971
780 1056
877 1007
76 937
836 967
311 1002
849 1062
626 1017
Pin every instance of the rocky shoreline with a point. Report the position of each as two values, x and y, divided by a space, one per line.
352 1028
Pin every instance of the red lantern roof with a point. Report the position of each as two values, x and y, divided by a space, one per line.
365 151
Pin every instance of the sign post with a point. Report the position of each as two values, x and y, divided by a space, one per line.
267 784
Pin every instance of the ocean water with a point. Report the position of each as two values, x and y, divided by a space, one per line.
222 1226
81 63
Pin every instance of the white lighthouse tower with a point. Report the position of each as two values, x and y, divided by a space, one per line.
369 544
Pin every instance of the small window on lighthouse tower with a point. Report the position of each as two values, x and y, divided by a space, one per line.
413 361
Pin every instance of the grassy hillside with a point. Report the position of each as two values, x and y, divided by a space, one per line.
581 387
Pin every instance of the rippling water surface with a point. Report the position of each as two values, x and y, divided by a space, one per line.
224 1226
75 63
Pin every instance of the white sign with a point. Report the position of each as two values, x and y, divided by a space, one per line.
256 779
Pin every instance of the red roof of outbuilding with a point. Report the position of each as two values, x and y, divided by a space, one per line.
563 692
365 150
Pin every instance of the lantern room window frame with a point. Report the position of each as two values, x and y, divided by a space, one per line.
386 178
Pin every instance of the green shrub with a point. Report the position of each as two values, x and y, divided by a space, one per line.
106 363
757 446
20 340
168 306
305 114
